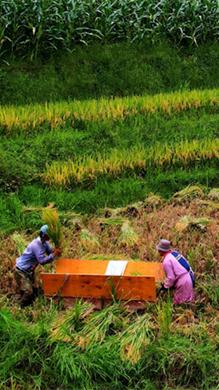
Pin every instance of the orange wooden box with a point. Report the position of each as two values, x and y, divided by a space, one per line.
87 279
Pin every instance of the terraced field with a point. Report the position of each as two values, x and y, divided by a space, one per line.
124 142
84 155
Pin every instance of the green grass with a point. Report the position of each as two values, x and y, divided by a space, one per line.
30 358
25 156
120 69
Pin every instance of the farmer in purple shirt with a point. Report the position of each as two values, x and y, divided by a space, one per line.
37 252
179 274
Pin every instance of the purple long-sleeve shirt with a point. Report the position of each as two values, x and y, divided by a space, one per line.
179 277
37 252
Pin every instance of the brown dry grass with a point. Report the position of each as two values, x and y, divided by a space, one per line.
202 248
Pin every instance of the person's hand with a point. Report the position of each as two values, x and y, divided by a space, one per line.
57 252
162 289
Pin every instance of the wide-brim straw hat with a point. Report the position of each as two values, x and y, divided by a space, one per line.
164 246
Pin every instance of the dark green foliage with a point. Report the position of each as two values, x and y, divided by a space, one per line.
34 28
182 362
109 70
11 213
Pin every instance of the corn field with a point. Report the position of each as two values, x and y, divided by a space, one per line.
34 27
56 115
87 169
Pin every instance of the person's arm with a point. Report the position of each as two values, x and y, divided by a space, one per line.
40 255
49 249
161 289
170 275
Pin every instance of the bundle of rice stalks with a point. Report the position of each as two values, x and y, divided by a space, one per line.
188 223
71 220
67 325
20 242
214 194
108 212
187 194
111 221
51 218
132 210
27 209
136 338
104 256
88 240
211 205
152 202
128 236
102 324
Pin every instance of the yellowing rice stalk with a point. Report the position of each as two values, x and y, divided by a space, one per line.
88 241
57 114
74 172
135 339
100 324
51 218
128 236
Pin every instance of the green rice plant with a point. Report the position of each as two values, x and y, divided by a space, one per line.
164 317
182 362
128 236
210 289
51 218
135 338
22 348
70 366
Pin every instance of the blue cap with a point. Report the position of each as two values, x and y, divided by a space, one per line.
44 229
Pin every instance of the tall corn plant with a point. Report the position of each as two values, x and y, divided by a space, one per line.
39 26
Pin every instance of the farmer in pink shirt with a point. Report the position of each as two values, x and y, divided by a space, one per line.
179 274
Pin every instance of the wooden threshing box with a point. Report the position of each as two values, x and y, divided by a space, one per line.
128 280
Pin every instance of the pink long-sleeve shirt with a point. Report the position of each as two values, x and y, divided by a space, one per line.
179 277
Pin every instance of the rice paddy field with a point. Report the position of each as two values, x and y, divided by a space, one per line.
113 128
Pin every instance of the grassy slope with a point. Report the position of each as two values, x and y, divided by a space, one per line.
118 70
109 70
182 347
25 155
